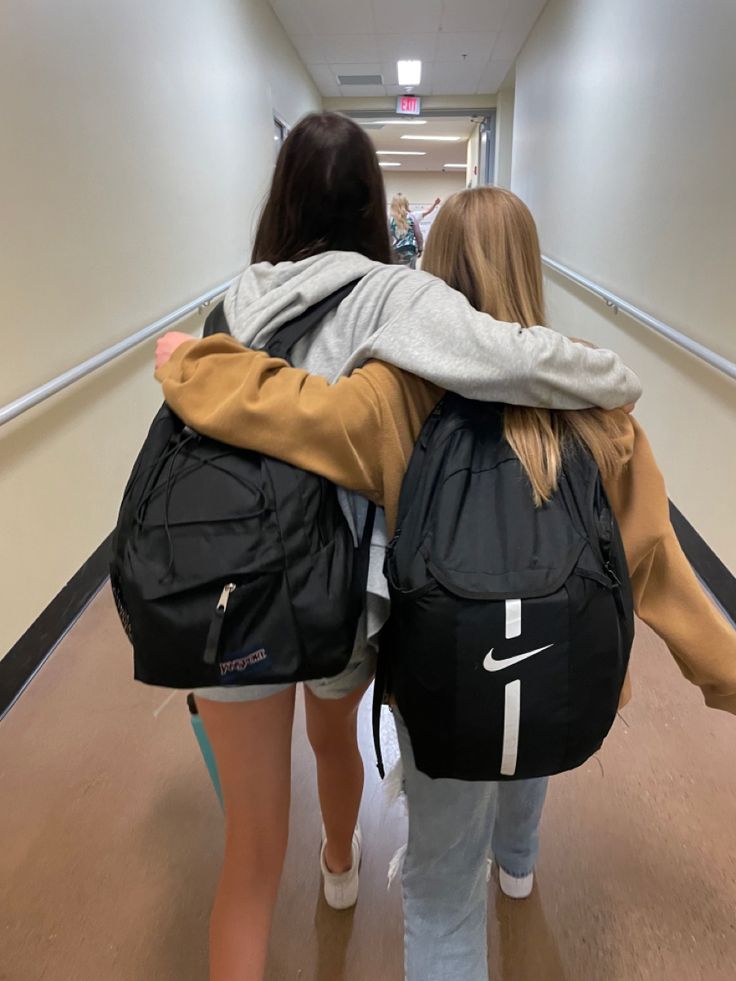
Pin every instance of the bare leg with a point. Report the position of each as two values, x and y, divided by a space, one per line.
252 746
333 733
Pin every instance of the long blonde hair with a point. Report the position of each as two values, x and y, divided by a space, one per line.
400 210
484 243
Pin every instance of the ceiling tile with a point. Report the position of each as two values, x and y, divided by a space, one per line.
493 75
392 47
310 48
362 91
452 47
331 17
293 16
523 14
370 36
510 43
391 74
456 78
350 47
516 28
475 15
325 80
356 68
407 16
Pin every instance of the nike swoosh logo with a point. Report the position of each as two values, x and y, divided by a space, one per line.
493 664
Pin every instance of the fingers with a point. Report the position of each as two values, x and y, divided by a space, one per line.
167 344
163 351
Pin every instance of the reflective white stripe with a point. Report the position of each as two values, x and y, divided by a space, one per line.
396 866
513 618
511 721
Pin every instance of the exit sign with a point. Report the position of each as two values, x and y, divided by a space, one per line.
408 105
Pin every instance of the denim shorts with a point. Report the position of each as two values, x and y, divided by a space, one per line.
359 671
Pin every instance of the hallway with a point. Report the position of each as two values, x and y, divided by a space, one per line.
141 143
95 885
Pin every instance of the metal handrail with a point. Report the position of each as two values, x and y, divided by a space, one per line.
20 405
716 361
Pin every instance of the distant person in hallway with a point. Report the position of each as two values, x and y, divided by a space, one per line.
304 251
421 215
407 240
360 433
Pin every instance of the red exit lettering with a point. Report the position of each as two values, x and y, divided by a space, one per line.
408 105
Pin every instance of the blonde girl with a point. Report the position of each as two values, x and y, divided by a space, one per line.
407 240
360 433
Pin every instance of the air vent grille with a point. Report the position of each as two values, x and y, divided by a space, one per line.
360 79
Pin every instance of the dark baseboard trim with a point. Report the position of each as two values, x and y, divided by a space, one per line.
712 572
25 658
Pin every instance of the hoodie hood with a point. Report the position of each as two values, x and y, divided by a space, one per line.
264 297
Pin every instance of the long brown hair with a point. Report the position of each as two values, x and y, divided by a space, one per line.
327 195
484 243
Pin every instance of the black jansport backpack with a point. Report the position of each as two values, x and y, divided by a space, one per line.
511 625
230 568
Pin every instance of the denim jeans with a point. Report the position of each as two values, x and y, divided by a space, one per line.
455 826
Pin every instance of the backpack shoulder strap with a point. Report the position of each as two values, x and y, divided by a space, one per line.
284 339
216 322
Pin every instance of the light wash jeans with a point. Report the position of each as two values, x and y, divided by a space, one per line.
455 826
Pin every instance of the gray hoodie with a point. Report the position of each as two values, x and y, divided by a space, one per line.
418 323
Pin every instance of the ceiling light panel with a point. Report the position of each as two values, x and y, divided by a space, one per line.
434 139
398 153
410 73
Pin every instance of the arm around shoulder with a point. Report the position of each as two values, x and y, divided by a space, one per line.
357 432
439 336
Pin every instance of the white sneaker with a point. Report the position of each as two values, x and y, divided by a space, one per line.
515 887
341 889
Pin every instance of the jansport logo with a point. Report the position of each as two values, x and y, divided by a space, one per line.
243 663
492 663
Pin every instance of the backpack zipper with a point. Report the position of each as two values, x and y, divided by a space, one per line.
215 632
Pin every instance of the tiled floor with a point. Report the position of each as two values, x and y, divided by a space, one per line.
111 837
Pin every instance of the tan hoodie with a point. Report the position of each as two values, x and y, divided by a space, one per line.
360 432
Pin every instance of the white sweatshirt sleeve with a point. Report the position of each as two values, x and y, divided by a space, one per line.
439 336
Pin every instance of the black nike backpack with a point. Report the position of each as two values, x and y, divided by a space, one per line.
511 625
231 568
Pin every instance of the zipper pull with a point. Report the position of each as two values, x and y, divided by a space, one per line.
225 597
215 632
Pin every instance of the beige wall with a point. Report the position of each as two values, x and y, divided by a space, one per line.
624 148
422 187
138 147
